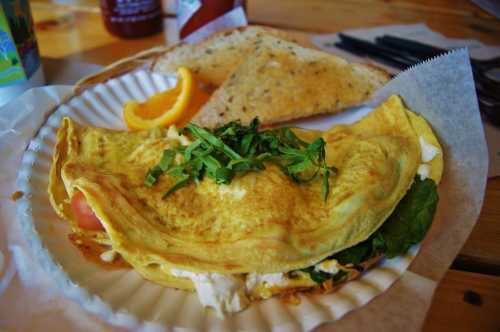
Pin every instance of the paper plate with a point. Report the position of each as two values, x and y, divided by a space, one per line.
123 297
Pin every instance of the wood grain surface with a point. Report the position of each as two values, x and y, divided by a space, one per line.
465 302
76 33
460 19
483 245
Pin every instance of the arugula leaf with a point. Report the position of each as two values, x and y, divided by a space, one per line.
164 164
152 176
212 140
325 184
189 150
317 276
246 143
176 171
232 132
320 277
339 276
223 175
167 159
184 181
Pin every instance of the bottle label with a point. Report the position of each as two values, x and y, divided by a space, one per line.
185 10
19 56
128 11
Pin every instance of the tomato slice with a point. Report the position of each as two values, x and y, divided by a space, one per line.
84 215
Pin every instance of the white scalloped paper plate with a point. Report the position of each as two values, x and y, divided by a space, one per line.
122 297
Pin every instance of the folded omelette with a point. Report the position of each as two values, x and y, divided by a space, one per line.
263 234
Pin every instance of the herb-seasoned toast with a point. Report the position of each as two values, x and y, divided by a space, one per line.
215 58
284 82
259 73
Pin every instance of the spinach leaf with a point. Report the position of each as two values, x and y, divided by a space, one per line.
406 226
410 221
355 255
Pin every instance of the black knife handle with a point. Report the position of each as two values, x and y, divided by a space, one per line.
420 50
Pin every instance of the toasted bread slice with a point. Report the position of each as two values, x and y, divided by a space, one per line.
280 81
215 58
166 59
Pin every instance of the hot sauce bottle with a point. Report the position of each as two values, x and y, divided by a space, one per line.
193 14
132 18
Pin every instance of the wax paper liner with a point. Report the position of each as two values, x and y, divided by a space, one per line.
441 89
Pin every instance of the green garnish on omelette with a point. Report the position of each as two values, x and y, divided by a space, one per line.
235 149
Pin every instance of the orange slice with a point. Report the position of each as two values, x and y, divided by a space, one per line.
175 106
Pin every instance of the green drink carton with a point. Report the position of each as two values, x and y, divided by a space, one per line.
20 66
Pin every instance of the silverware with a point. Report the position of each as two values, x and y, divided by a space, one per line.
403 53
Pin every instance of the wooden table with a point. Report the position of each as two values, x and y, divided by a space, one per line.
75 33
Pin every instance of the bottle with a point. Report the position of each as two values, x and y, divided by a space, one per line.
193 14
132 18
20 65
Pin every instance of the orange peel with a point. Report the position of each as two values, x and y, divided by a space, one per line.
174 106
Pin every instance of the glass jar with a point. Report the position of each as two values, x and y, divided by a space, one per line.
132 18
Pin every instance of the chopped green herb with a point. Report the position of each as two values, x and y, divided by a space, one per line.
182 182
167 159
152 176
234 149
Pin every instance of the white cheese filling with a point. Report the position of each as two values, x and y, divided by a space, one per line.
423 171
329 266
269 280
108 256
428 153
234 190
224 293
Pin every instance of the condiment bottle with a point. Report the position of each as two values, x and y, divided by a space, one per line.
132 18
193 14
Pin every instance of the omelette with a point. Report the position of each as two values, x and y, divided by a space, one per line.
263 233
